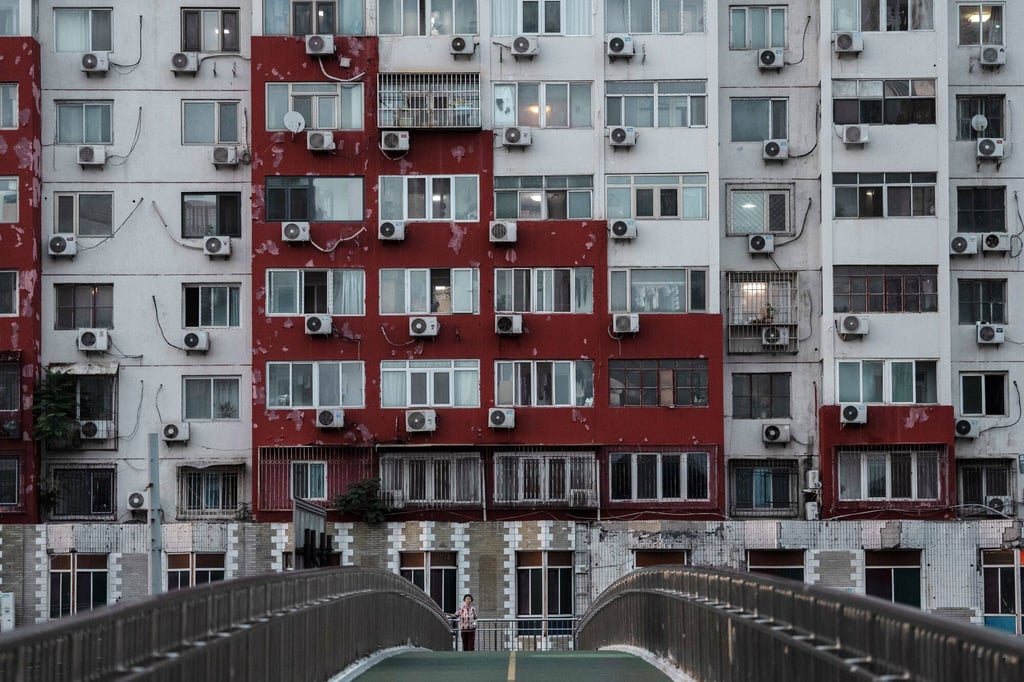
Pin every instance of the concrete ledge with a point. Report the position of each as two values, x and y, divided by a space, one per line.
363 664
669 670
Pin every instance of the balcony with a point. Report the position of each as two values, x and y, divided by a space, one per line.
446 101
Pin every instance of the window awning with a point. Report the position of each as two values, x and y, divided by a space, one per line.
85 368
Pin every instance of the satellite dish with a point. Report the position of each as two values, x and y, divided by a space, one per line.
979 122
294 121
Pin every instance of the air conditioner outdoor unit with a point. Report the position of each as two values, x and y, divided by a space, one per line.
761 243
525 46
330 418
967 428
62 245
620 45
774 335
626 323
319 44
319 140
395 140
995 241
812 510
503 231
853 325
622 228
775 150
318 325
1000 503
462 45
197 341
138 501
515 136
295 232
990 333
92 155
185 62
775 433
856 134
963 245
219 247
93 340
991 147
992 55
95 430
508 324
420 420
501 418
848 43
853 413
176 432
96 62
622 136
813 479
224 156
771 58
423 326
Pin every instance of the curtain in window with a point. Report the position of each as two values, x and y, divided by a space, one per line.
225 399
503 17
466 200
921 15
584 282
275 17
464 290
392 388
467 387
577 17
351 18
197 399
71 30
849 476
616 16
283 297
347 291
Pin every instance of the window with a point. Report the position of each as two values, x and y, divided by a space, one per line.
431 100
8 292
885 289
884 195
84 493
211 305
664 197
82 30
299 17
309 480
544 383
659 476
436 479
888 473
656 104
8 106
889 102
981 209
213 398
660 557
658 290
185 570
781 563
315 384
8 200
430 383
754 120
969 106
1003 574
427 18
435 573
653 383
87 214
540 197
545 478
867 15
206 215
756 210
544 589
981 300
314 199
78 583
407 197
983 394
542 105
654 16
986 487
10 399
9 481
209 122
209 492
888 381
754 28
209 30
84 305
757 298
566 17
9 19
981 23
766 487
332 292
97 400
893 575
439 290
85 122
324 106
544 290
761 396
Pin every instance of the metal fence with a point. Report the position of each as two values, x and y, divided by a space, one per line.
521 634
717 625
304 625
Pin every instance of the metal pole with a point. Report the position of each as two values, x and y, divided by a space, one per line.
156 541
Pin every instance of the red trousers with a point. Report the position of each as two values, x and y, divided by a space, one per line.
468 640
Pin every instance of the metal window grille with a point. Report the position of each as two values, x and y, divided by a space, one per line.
762 312
428 100
529 478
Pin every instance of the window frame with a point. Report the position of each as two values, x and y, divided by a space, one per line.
513 378
226 214
345 95
302 290
202 15
290 23
980 6
195 487
657 15
673 378
734 194
658 184
216 411
975 295
884 454
620 110
60 219
457 213
314 389
192 570
987 394
9 188
771 129
928 366
864 185
435 572
978 194
199 300
10 482
68 570
623 297
1003 573
221 112
872 12
10 307
424 19
96 37
773 487
544 477
103 108
545 579
448 478
778 399
64 476
93 310
875 563
882 92
430 284
749 12
9 106
992 107
534 112
660 476
543 190
281 187
540 286
402 371
855 289
315 479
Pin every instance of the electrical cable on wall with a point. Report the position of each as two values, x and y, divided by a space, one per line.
114 232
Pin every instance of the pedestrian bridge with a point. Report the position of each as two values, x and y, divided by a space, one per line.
313 625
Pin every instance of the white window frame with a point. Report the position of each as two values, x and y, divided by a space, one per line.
9 307
984 378
198 484
316 369
220 111
845 458
509 16
398 207
216 413
103 109
750 12
513 472
279 17
569 377
623 299
463 478
620 94
315 479
8 189
333 106
463 291
426 23
887 367
397 389
684 458
759 197
538 285
773 129
321 191
848 15
683 184
228 297
655 14
96 43
515 105
982 39
8 106
277 277
60 205
212 29
539 191
10 19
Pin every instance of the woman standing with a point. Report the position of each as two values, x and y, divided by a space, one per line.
467 623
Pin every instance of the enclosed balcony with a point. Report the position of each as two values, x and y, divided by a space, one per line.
428 100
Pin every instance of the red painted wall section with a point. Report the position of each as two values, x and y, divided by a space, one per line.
20 250
928 425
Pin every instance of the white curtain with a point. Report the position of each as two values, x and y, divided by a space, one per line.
347 292
467 387
283 294
577 17
276 21
71 30
503 17
921 15
392 388
584 290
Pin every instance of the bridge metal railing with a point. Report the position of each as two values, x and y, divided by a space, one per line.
303 625
717 625
521 634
